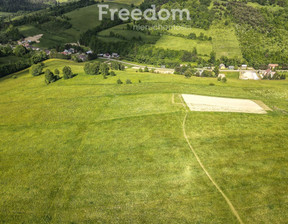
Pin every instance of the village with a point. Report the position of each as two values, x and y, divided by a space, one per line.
75 52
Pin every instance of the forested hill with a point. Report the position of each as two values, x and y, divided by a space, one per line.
24 5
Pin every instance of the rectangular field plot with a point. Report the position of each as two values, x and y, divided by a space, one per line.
218 104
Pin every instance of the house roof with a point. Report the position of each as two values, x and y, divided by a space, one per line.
273 65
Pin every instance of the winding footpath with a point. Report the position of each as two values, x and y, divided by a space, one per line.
234 211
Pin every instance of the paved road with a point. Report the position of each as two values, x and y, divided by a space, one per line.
135 65
169 69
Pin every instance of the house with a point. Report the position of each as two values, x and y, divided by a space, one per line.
82 57
268 73
115 55
47 52
66 52
222 66
244 67
71 50
107 55
90 52
273 66
100 55
231 67
249 75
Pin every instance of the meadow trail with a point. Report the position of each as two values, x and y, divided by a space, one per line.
234 211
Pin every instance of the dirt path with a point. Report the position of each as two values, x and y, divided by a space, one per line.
234 211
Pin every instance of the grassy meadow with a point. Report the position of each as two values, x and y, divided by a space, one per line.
127 34
87 150
179 43
224 40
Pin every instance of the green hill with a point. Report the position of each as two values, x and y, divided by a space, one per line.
89 150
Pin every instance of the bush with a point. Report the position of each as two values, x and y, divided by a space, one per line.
36 69
224 80
112 73
211 84
146 69
50 77
128 81
67 72
140 81
92 68
56 72
119 82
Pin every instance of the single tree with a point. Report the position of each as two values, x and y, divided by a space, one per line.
36 69
50 77
67 72
216 71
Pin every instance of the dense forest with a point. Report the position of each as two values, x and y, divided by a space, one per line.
24 5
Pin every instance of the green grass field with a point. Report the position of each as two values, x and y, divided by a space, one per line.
87 18
128 34
224 40
179 43
81 19
87 150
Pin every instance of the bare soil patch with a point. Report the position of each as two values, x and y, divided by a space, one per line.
219 104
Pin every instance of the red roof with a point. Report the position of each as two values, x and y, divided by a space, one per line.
273 65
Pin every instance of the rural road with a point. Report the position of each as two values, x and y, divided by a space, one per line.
135 65
172 70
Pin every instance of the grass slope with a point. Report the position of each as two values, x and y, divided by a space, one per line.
128 34
224 40
179 43
89 150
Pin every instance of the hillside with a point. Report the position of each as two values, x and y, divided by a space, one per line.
90 150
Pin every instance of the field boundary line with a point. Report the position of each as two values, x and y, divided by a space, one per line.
234 211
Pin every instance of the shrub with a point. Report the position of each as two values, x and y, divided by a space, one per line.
140 81
128 81
224 80
119 82
67 72
112 73
56 72
140 70
146 69
92 68
211 84
36 69
50 77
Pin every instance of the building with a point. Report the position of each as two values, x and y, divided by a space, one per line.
115 55
268 73
222 66
273 66
231 67
47 52
82 57
244 67
249 75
